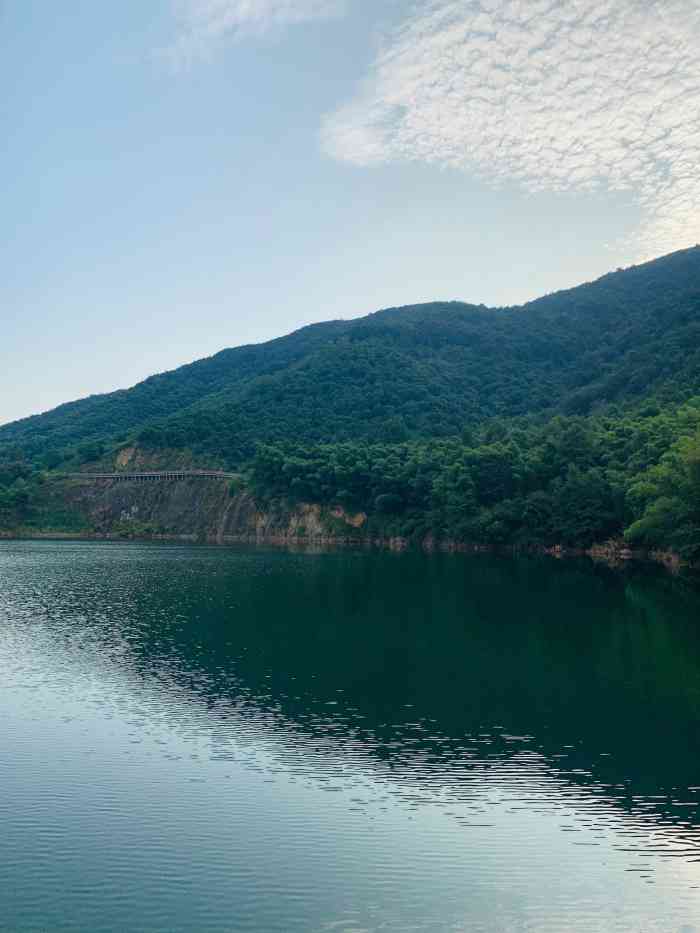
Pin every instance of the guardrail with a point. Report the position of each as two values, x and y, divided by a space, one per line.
155 476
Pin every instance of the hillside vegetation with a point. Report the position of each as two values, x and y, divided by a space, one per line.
565 420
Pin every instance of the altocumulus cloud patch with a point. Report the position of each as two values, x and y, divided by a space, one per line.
580 95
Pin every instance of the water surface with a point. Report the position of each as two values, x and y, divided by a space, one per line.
220 739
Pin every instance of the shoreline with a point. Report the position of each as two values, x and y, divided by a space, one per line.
614 554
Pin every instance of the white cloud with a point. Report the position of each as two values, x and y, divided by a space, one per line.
552 95
206 23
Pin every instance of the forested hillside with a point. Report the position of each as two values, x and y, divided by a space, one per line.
407 373
567 420
571 481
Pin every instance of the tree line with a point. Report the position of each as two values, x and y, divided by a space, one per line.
571 481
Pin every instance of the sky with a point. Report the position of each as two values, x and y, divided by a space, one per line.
182 176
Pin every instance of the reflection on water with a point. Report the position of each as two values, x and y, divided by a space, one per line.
209 739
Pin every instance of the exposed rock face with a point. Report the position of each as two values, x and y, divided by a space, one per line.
197 509
355 521
124 457
133 458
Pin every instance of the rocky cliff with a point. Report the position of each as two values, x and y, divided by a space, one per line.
201 510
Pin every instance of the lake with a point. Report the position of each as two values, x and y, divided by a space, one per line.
200 739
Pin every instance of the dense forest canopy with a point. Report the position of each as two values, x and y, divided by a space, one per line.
565 420
572 481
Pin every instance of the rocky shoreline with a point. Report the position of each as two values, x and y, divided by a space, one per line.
612 553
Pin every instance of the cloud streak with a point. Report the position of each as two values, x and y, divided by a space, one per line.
579 95
208 23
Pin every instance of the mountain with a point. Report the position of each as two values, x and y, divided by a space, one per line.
405 373
573 420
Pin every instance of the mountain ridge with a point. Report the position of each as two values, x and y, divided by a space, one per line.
415 371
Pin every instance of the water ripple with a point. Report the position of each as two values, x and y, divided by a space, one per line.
205 739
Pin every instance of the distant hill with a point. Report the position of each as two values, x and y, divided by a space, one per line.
406 373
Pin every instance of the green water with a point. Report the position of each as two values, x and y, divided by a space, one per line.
220 739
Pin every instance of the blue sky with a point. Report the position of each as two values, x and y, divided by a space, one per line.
187 175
